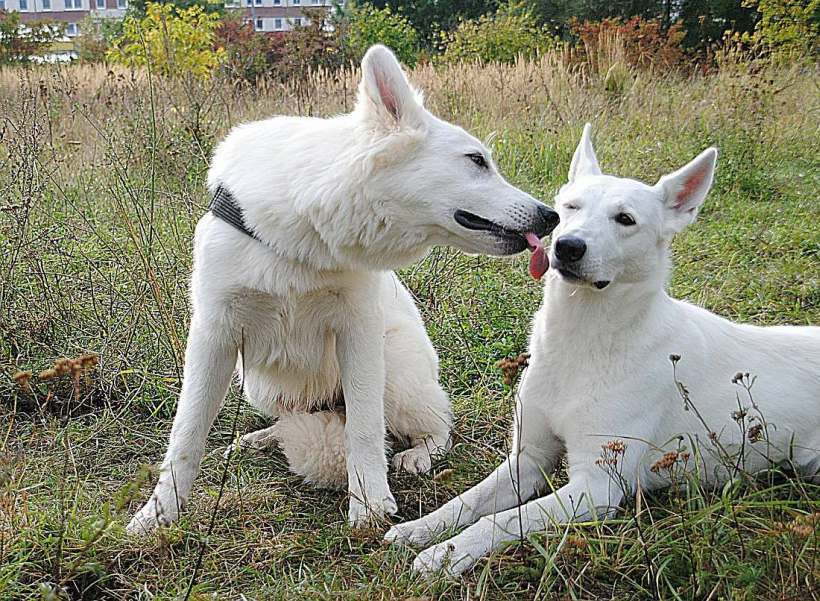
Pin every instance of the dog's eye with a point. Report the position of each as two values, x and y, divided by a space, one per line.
478 159
571 207
625 219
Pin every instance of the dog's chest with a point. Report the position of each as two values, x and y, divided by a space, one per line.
291 334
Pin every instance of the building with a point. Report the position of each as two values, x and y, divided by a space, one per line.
276 15
265 15
70 12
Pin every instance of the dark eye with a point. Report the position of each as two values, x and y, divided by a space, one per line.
478 159
624 219
571 207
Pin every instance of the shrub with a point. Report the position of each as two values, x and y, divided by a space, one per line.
316 45
787 26
96 35
18 45
248 55
367 25
512 32
172 41
645 42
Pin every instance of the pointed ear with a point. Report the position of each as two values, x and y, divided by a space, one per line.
384 93
584 161
685 190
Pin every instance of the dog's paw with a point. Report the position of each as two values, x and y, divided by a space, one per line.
446 557
255 441
415 461
371 511
417 532
150 517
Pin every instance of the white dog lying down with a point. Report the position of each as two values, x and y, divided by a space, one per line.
600 371
292 281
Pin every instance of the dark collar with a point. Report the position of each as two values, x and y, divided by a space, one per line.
223 205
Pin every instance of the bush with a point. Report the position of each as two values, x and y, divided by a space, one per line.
172 41
367 25
787 26
512 32
248 55
96 36
316 45
19 45
645 43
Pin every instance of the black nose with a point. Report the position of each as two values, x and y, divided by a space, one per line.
546 221
570 248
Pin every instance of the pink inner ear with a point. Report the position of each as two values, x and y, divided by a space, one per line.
690 187
388 97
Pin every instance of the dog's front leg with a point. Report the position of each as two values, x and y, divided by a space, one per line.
209 362
360 347
586 496
515 481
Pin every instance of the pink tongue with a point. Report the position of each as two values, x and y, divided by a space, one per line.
539 262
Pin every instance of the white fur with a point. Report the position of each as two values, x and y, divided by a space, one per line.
312 312
600 370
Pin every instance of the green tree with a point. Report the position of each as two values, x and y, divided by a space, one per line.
171 41
18 44
367 25
138 8
430 17
513 31
787 26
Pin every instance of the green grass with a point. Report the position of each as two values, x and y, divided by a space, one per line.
101 184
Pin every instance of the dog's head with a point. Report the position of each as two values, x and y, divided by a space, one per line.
433 182
617 229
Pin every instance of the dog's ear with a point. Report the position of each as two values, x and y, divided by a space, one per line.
584 161
385 94
685 190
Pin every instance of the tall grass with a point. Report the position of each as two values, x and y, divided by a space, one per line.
101 184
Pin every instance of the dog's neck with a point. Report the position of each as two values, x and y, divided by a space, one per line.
622 306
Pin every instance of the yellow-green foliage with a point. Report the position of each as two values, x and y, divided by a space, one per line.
172 41
368 25
512 32
787 25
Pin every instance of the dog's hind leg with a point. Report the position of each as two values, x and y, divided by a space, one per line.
417 410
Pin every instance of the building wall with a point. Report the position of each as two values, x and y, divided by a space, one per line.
265 15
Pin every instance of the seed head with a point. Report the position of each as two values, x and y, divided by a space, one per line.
23 379
666 462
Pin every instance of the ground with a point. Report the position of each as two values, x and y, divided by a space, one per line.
101 184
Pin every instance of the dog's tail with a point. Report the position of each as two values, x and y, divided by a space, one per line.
314 445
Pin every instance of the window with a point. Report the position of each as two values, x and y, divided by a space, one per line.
315 1
2 4
277 24
23 5
296 2
277 2
258 2
100 4
297 22
73 4
72 30
259 25
46 4
123 4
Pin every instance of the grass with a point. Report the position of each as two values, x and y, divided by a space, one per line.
101 184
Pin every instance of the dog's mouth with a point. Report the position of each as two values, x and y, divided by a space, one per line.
515 241
573 276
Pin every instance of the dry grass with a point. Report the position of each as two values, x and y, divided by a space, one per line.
101 184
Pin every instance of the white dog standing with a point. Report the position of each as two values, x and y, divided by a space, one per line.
600 370
292 281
